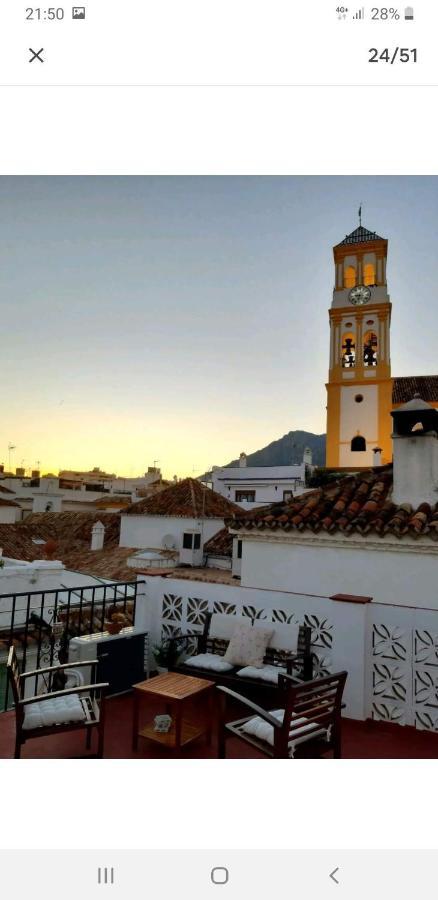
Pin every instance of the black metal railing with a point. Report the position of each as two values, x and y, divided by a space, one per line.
40 624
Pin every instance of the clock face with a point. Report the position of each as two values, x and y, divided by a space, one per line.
359 295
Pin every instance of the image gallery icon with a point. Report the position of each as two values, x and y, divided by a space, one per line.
78 12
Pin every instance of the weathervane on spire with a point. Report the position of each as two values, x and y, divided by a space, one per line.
360 215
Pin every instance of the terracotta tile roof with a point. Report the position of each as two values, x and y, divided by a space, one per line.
221 544
113 503
16 542
72 533
186 499
403 389
73 526
360 503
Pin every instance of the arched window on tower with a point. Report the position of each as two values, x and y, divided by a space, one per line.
370 349
348 350
369 274
349 277
358 444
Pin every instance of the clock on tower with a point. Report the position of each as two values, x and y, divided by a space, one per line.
359 388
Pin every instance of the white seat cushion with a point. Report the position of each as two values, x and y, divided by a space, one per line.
266 673
302 730
54 711
211 661
263 731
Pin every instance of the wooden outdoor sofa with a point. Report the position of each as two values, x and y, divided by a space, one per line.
289 652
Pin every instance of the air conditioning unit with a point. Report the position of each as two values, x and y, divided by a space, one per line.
122 658
192 551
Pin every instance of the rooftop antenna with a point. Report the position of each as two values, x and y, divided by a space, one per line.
11 447
360 215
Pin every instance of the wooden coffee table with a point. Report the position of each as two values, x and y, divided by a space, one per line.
175 690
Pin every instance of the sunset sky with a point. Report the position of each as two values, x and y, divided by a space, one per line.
183 320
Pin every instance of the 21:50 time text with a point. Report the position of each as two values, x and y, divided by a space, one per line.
52 13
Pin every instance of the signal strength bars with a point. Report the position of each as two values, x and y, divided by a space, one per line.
360 14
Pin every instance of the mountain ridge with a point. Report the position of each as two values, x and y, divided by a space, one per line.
287 450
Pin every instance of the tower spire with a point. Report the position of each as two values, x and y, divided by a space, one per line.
360 215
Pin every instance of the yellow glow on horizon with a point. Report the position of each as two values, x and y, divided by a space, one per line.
116 443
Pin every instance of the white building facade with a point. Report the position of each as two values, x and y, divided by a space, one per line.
252 486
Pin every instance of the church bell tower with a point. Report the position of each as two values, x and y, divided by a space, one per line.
359 389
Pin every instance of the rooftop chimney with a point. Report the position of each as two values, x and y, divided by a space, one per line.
415 452
377 457
307 456
97 536
242 461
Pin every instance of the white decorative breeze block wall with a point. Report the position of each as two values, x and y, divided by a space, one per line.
390 652
338 629
403 670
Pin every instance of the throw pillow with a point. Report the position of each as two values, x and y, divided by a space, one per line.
247 646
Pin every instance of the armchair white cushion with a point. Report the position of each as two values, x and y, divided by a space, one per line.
302 730
54 711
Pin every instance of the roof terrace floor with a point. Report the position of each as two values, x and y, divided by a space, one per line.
360 740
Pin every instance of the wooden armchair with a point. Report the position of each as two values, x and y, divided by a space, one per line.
308 719
54 711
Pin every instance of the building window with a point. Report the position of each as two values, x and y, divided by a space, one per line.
349 277
358 398
348 350
369 274
245 496
196 541
370 349
358 444
287 495
239 549
187 541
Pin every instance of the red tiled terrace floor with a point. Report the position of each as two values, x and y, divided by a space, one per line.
360 740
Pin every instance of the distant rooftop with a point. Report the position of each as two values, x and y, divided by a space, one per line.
71 532
403 389
186 499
